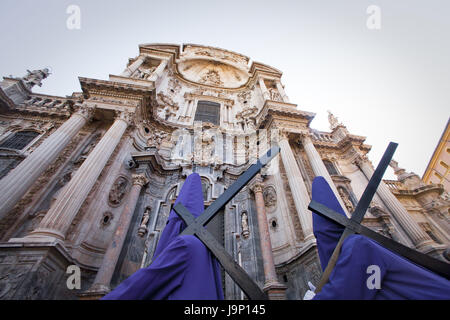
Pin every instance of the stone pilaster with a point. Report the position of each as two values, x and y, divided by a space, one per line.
297 186
412 229
60 216
274 289
19 180
264 90
102 281
318 166
134 66
281 91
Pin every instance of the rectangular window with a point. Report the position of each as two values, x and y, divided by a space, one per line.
208 111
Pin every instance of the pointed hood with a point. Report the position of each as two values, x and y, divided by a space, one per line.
326 231
191 197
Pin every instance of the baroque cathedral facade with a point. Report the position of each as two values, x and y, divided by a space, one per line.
88 180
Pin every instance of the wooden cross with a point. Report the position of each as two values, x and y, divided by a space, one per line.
353 225
196 226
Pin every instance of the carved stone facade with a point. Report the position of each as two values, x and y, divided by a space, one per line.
121 149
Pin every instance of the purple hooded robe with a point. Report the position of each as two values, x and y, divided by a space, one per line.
399 277
182 268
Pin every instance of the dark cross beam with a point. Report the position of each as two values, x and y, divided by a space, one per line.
353 225
196 227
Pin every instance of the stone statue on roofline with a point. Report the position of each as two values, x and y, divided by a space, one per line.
35 77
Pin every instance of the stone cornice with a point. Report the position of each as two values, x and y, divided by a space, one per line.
283 109
152 157
225 101
117 89
439 188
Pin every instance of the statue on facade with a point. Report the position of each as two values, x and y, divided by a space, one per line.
35 77
244 225
333 120
145 218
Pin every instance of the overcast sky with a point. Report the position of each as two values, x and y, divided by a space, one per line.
390 84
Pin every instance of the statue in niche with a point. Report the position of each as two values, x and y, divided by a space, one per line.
117 192
244 225
275 95
142 73
145 218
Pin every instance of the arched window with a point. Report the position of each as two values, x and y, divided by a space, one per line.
19 140
208 111
330 167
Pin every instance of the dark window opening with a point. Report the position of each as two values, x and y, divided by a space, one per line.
208 111
19 140
330 167
432 236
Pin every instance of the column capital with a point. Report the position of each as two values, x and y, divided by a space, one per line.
282 132
126 116
139 179
85 111
306 136
257 185
361 160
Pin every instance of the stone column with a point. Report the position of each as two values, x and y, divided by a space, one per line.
409 225
281 91
60 216
159 70
274 289
264 90
297 186
19 180
318 167
105 273
134 66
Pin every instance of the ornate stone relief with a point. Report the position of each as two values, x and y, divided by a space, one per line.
212 77
247 118
204 149
244 96
346 199
270 197
166 106
218 54
155 136
118 191
110 100
174 86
